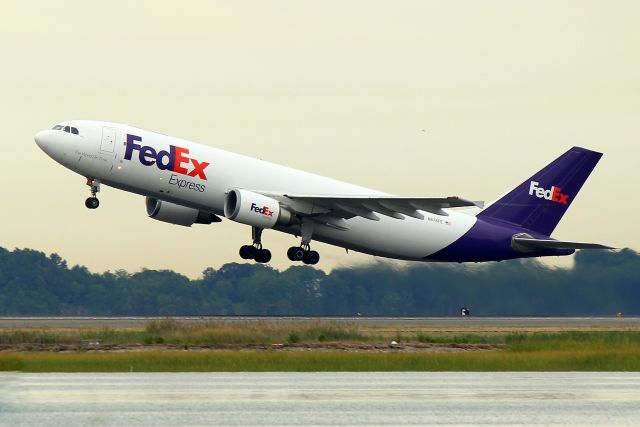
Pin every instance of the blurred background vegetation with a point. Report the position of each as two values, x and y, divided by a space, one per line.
600 283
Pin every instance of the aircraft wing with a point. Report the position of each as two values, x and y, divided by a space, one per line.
532 244
344 207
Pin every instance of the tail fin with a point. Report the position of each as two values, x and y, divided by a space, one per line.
539 203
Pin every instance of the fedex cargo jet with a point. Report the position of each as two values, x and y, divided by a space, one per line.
187 183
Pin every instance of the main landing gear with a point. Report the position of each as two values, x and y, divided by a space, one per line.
303 252
296 253
93 202
255 251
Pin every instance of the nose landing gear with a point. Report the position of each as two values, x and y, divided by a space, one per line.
93 202
255 251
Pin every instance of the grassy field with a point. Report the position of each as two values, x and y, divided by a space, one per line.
169 331
584 358
220 333
563 351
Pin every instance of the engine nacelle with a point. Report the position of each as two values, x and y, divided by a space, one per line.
255 209
177 214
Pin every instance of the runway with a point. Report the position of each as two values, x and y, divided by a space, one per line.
410 323
320 399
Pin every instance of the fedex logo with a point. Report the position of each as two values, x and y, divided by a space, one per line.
553 194
264 210
176 159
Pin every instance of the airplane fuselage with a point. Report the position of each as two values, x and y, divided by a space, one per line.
200 177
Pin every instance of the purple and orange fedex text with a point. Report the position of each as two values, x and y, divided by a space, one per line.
175 160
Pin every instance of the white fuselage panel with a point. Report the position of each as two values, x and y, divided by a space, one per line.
100 152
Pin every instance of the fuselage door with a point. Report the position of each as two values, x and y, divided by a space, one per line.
108 139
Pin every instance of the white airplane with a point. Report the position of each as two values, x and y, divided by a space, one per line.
187 183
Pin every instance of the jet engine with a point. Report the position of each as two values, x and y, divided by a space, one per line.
255 209
177 214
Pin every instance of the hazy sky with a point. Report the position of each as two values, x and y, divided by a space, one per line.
413 98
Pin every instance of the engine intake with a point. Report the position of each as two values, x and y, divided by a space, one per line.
177 214
255 209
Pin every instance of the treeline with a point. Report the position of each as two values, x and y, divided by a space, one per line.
601 283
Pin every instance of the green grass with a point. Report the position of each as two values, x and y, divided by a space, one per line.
220 333
169 331
613 359
572 340
565 351
457 339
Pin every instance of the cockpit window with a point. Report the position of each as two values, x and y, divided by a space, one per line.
68 129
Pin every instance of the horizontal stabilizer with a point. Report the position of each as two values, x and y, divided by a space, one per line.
527 244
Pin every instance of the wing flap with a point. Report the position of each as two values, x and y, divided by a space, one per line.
369 206
375 206
356 209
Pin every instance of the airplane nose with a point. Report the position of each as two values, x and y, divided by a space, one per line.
40 138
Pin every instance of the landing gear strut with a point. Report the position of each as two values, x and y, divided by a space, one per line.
303 252
255 251
93 202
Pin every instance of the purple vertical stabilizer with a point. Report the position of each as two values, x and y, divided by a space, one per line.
539 203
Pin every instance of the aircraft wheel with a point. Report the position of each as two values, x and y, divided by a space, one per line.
263 256
311 257
248 252
92 203
295 253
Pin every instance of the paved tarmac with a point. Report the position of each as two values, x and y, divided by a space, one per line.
320 399
469 322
